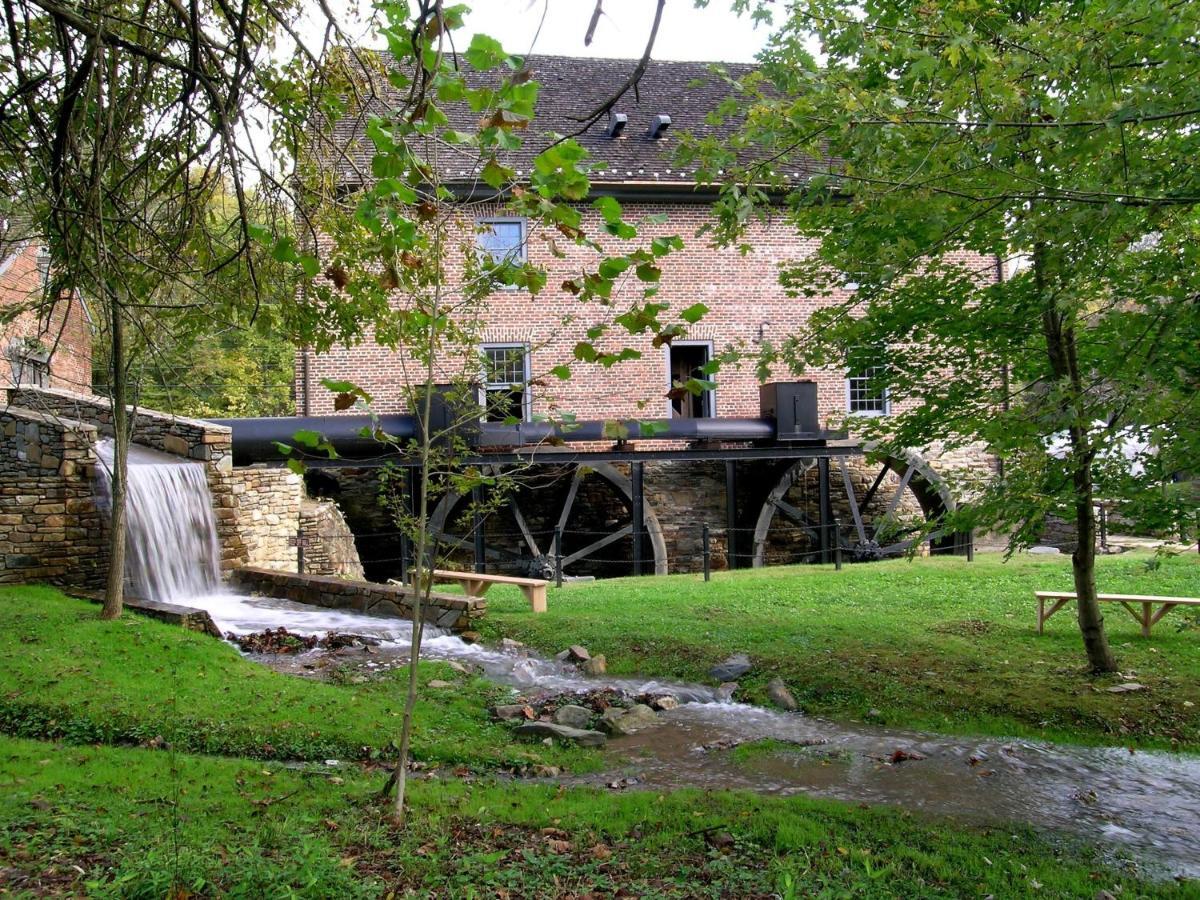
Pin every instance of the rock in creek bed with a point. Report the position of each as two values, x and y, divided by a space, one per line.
280 640
540 730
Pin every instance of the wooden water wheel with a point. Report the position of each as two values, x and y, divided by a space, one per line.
878 517
591 505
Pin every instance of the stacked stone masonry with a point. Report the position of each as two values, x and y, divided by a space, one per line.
451 611
50 528
329 547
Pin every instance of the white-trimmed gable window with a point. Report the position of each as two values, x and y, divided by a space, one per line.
502 240
506 383
866 391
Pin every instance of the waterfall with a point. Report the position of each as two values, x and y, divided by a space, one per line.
171 534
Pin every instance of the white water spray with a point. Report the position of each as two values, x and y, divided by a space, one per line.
171 533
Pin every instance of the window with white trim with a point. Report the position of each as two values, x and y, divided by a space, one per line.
30 362
506 383
502 240
866 391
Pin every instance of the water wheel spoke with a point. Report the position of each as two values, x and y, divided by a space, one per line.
907 543
854 510
870 495
524 526
445 539
796 516
569 503
596 545
895 501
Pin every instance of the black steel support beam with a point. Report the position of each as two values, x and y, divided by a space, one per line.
824 510
477 529
731 513
586 457
637 476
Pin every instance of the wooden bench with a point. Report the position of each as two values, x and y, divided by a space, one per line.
476 585
1146 616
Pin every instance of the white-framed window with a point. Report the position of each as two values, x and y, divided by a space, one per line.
30 362
506 383
866 391
502 240
685 360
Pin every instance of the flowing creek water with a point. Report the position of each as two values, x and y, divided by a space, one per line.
1141 804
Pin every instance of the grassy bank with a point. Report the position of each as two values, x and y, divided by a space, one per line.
939 644
66 675
136 823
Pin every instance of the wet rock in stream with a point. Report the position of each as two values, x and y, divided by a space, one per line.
573 716
617 721
580 736
280 640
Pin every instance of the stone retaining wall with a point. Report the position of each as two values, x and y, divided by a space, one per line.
328 542
257 510
451 611
265 513
50 528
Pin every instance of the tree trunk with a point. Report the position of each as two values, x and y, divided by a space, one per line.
114 592
1062 351
1083 566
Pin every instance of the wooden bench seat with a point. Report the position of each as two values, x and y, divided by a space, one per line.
1146 615
476 585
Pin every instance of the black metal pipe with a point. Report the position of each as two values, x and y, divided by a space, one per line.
256 440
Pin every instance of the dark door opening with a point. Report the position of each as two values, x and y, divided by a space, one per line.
684 363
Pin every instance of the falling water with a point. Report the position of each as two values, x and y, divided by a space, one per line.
171 534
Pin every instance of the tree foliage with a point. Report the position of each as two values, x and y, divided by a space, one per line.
946 136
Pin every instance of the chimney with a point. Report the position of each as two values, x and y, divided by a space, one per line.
658 126
616 124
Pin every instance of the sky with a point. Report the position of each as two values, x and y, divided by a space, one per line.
686 33
712 34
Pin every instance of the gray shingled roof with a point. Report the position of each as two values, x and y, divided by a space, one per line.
570 87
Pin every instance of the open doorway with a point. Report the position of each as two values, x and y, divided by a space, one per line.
685 361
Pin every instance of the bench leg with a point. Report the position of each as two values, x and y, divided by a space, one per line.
1162 611
475 588
1147 610
1041 616
537 597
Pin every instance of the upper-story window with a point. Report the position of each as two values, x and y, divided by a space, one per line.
866 391
30 362
506 383
503 240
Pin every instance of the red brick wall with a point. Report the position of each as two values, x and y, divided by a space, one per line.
63 329
742 292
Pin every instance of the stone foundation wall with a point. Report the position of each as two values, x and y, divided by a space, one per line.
193 439
264 511
257 510
686 497
328 542
50 528
451 611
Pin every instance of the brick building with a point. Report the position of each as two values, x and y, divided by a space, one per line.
45 344
524 336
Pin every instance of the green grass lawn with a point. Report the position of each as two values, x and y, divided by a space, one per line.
81 814
938 644
64 674
126 822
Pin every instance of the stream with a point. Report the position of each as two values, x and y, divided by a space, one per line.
1144 804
